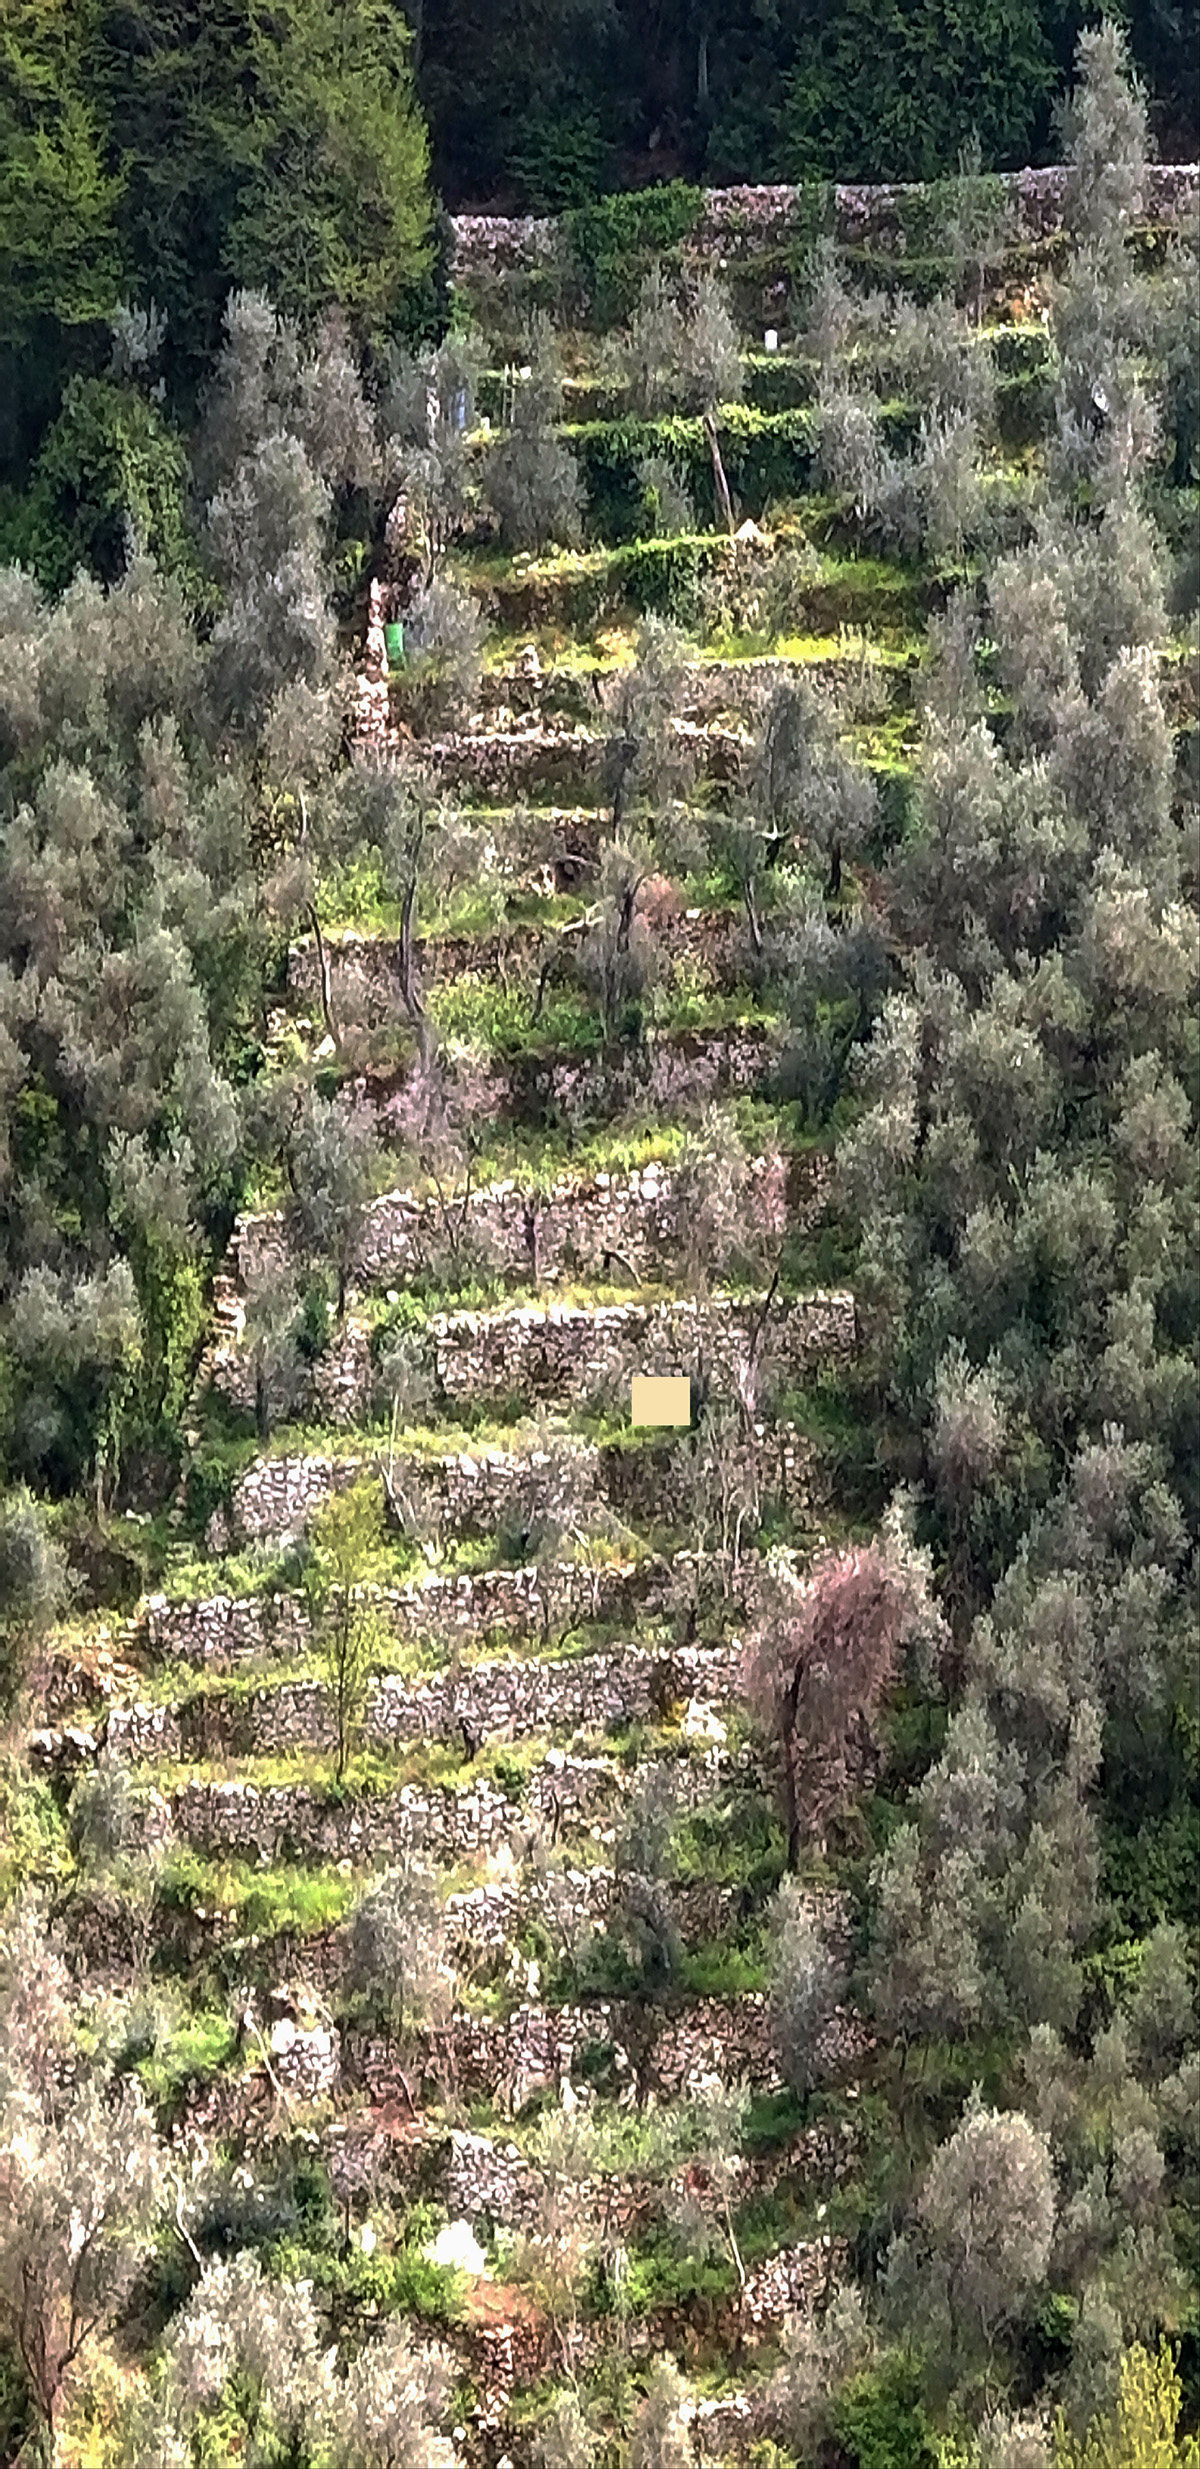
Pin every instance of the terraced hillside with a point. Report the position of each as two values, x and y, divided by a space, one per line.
554 1882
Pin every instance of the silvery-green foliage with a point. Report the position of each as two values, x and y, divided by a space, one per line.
711 1196
398 1961
1153 1124
644 760
33 1587
266 532
712 356
850 456
650 354
102 1820
661 2432
332 416
820 2353
334 1166
642 1864
269 1344
971 1799
680 351
830 313
1009 2442
62 1332
531 479
925 1973
1114 763
988 2207
803 782
138 336
806 1987
81 2185
941 368
35 2004
1162 2014
1105 129
951 694
255 372
1092 2380
266 383
665 494
968 1432
564 2439
444 635
237 2321
384 2414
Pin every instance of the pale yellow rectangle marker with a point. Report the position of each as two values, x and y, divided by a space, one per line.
662 1397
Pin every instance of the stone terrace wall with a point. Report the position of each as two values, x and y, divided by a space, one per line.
230 1632
569 1355
666 1073
714 944
579 1224
660 2049
480 2179
480 1492
513 1699
290 1821
293 1821
745 222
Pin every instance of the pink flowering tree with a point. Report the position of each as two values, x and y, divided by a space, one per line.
821 1659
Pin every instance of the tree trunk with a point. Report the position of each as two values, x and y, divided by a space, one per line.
409 996
724 499
325 981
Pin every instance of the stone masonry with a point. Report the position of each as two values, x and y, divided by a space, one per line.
573 1230
568 1355
512 1700
230 1632
477 1492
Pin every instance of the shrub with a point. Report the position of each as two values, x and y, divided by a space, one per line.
613 241
879 2420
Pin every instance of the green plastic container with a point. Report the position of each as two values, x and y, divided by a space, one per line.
393 637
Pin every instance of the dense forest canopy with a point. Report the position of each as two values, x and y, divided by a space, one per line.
635 794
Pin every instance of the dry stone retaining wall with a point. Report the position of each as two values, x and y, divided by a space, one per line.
274 1822
667 1072
479 1492
515 1699
227 1632
747 221
569 1355
231 1632
578 1224
293 1821
709 946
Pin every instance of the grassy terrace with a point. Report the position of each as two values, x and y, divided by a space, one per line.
789 887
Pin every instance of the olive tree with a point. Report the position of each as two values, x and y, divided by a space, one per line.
531 479
988 2208
82 2182
806 1987
661 2436
33 1588
332 1161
